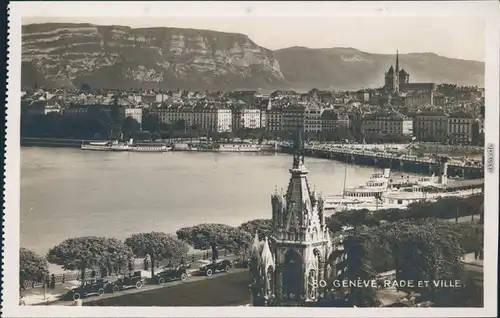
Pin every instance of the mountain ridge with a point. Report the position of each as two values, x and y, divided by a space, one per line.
67 54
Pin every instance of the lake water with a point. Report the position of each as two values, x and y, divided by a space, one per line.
69 192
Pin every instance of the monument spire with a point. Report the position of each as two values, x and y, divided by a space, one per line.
298 145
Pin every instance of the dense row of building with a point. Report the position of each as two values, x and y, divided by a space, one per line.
425 126
426 111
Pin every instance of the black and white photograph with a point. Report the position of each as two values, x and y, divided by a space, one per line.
243 158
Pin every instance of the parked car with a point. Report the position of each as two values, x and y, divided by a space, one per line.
90 287
130 280
242 263
170 274
216 266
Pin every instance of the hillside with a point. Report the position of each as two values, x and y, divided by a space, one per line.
352 69
63 54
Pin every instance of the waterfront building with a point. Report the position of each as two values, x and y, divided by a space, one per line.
293 117
287 266
274 117
243 117
75 110
250 118
41 107
331 121
386 124
135 113
430 126
312 119
263 119
460 128
209 118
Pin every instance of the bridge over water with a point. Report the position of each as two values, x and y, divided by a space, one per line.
394 161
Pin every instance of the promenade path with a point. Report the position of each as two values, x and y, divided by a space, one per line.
40 296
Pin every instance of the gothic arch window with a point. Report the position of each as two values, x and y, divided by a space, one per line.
292 275
292 234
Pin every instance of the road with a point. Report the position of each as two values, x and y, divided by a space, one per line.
232 290
222 289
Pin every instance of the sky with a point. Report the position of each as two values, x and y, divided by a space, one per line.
462 38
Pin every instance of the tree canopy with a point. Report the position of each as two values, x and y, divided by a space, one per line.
203 235
157 245
88 252
32 267
262 226
445 208
357 264
419 249
130 125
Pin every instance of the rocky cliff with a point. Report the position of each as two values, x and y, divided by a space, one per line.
122 57
56 54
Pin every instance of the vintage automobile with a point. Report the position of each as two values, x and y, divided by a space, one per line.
242 263
212 267
170 274
90 287
130 280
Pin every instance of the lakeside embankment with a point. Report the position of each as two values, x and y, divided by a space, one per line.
76 143
473 152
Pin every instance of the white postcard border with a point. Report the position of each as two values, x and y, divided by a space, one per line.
487 10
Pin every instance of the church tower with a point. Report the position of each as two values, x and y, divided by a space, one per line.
287 267
396 74
392 80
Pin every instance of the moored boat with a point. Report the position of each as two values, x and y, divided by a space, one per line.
425 189
105 146
150 148
237 147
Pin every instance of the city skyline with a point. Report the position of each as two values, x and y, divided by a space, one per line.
449 37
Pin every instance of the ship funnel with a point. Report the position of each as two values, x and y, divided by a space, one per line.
131 141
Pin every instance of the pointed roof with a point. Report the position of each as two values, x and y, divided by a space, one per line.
255 250
403 72
391 70
266 257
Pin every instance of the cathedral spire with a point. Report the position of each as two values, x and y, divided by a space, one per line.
397 62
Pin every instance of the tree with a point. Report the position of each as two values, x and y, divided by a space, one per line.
180 125
130 125
262 226
203 235
424 249
142 135
157 245
239 241
89 252
357 264
32 267
151 122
